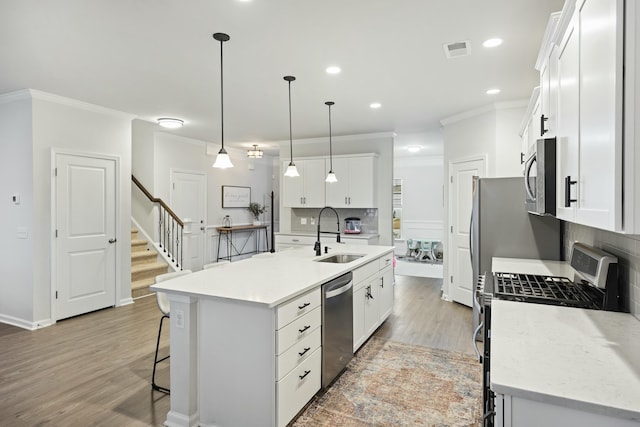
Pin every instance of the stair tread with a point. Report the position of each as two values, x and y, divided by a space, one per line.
148 266
143 254
138 242
143 283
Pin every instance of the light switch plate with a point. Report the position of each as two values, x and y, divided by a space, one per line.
303 221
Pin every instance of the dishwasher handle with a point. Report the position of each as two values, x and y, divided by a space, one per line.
339 291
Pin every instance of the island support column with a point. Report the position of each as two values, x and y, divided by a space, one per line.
184 362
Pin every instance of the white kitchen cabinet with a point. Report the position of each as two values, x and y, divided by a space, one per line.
590 100
387 287
547 64
306 190
530 126
373 297
356 182
512 411
567 141
287 241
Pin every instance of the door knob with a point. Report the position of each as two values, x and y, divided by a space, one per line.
112 240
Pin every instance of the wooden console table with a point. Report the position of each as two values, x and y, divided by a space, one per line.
250 230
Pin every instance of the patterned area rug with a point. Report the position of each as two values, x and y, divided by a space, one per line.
396 384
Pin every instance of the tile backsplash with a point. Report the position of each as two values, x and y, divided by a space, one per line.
368 218
625 247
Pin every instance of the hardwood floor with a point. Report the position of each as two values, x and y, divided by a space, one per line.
95 369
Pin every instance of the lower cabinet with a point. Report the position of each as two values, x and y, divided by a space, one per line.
373 297
512 411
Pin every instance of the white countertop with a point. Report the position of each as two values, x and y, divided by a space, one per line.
532 266
269 279
342 234
584 359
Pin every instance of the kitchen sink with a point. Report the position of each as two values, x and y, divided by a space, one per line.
340 258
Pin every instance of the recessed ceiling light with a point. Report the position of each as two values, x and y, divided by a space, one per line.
170 123
333 70
414 148
493 91
492 42
375 105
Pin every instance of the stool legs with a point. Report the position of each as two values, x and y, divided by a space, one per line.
156 361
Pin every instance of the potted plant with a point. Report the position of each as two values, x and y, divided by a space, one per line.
256 209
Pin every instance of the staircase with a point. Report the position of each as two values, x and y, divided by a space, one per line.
145 266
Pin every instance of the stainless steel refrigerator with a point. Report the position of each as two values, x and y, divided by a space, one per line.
502 227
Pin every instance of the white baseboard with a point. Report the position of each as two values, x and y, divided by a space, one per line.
25 324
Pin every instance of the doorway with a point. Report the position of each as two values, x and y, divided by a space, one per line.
85 249
461 173
188 200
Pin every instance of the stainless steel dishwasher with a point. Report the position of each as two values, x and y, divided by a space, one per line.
337 327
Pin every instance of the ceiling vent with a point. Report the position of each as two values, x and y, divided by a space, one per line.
457 49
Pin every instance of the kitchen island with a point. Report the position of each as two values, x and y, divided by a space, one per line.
245 336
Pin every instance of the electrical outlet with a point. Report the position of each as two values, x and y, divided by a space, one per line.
303 221
179 319
313 221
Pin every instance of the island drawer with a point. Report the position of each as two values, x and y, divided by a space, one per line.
386 260
298 307
361 274
298 387
298 353
295 331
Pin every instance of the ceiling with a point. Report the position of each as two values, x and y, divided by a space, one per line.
157 58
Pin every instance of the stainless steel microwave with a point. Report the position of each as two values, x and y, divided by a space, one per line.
540 178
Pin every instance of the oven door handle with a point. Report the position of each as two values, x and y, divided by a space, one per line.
475 344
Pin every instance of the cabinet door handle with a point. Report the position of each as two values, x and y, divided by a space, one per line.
345 200
306 304
302 353
382 282
349 200
567 191
304 329
368 294
521 158
304 375
543 119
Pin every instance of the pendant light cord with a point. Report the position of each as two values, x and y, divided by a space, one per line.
221 96
330 150
290 133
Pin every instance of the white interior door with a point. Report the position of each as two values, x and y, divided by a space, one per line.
85 206
188 200
461 200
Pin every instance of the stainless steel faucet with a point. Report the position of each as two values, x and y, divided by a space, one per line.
317 246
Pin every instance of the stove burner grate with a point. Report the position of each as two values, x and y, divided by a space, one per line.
546 290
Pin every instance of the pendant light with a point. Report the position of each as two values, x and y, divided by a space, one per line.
292 171
331 177
222 161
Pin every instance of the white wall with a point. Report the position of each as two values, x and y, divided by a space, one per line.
16 255
381 144
63 124
142 155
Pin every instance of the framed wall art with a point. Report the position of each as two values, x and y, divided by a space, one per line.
235 197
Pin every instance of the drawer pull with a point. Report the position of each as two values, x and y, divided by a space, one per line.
306 304
295 240
304 329
302 353
303 376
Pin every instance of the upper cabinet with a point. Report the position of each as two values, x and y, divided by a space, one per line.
306 190
584 102
356 182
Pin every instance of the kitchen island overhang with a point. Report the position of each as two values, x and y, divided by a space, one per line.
224 356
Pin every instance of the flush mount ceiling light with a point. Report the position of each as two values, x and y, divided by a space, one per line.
493 91
169 123
255 153
492 42
222 161
414 148
375 105
331 177
292 171
333 70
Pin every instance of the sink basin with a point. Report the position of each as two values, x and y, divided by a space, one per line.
340 258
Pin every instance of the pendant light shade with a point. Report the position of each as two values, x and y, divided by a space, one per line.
222 161
291 171
331 177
